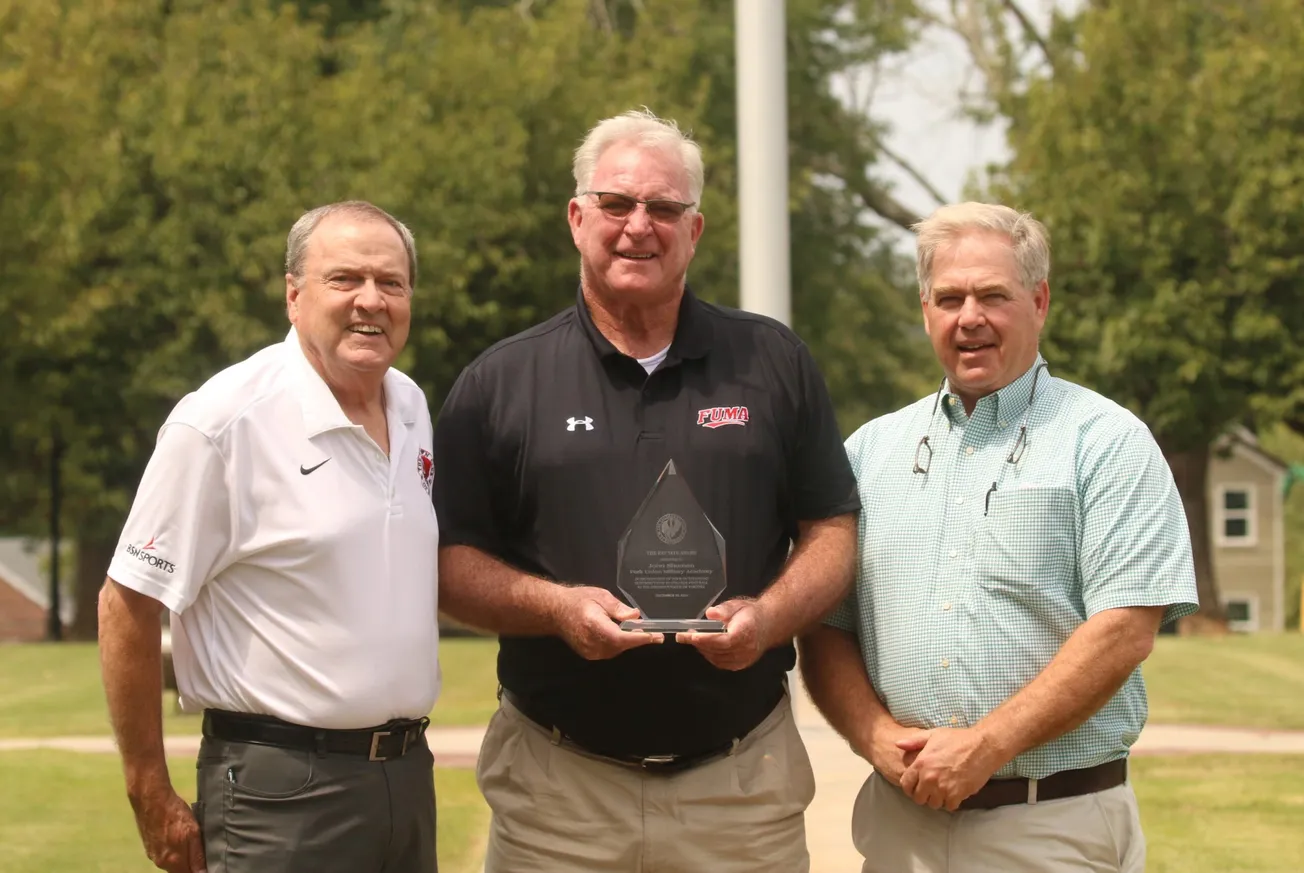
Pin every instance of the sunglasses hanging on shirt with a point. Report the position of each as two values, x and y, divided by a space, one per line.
924 451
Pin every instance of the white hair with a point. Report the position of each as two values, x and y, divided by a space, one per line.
296 243
642 128
1028 239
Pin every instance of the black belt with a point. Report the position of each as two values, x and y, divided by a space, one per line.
1056 786
664 765
390 740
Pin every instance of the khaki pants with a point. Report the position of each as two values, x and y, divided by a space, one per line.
556 810
1095 832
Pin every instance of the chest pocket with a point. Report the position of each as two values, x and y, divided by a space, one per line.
1027 543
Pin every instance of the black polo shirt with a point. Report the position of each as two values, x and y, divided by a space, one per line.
550 440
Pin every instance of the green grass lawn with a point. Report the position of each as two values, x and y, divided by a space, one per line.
68 813
53 689
1222 813
1246 680
470 681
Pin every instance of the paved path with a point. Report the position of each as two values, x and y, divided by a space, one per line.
839 773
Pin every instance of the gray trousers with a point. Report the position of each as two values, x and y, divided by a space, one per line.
270 810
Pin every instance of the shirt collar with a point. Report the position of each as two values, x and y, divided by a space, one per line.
1006 405
692 330
321 411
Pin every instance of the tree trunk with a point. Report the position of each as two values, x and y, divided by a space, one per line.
1191 472
93 557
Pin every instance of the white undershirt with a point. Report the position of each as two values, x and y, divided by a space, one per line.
651 363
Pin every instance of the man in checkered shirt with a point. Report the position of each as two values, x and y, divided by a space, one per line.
1021 542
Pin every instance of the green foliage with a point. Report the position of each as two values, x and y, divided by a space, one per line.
154 154
1161 144
1165 155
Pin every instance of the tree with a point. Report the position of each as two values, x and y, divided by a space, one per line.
1287 444
158 152
158 231
1162 145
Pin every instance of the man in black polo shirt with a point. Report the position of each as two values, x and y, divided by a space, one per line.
616 750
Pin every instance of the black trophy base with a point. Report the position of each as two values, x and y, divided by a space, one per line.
673 625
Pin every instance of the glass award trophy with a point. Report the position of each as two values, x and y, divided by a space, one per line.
670 561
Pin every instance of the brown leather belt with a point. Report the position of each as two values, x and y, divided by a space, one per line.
1066 783
665 765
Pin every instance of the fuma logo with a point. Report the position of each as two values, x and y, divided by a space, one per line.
572 423
719 416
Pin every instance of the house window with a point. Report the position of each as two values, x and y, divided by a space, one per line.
1242 611
1234 516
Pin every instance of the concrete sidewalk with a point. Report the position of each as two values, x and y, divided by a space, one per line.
839 773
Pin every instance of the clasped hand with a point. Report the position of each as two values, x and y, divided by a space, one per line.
945 766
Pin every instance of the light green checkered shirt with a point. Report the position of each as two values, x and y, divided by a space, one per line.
962 596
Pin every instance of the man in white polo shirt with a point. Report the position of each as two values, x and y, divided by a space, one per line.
285 518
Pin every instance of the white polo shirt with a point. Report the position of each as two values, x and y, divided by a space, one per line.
300 560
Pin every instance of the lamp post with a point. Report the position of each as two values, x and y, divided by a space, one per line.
762 101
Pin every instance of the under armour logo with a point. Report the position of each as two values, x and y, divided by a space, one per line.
586 421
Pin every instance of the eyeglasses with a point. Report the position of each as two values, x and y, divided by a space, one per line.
923 441
924 451
622 205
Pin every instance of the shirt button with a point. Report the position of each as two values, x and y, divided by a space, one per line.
946 662
954 553
951 400
968 450
959 500
1002 424
954 720
946 607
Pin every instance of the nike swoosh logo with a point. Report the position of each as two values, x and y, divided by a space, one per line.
306 470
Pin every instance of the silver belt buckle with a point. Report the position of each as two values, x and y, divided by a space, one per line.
652 760
375 742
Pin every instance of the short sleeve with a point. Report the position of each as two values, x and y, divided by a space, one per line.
463 488
822 482
1136 546
847 615
179 529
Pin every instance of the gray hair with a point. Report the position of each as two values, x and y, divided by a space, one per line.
643 128
1028 239
296 244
